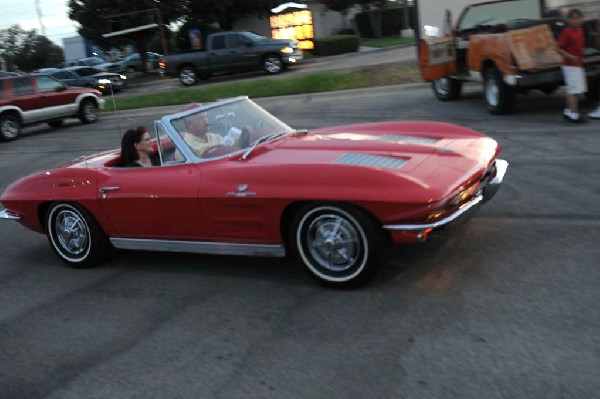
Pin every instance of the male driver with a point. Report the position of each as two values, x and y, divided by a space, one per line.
199 138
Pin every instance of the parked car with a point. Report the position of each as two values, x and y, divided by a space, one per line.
133 62
95 62
91 77
38 98
331 196
5 73
509 46
231 52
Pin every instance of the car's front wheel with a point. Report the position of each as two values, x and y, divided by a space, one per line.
499 97
188 76
88 111
339 245
75 235
447 89
272 64
10 127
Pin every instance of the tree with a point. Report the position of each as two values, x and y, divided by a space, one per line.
98 17
225 12
26 50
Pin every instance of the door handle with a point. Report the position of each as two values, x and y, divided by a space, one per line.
104 190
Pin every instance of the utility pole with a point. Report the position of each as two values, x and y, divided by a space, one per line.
40 17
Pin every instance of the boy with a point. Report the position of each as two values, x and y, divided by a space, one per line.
570 46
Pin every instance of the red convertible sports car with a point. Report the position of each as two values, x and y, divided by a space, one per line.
333 197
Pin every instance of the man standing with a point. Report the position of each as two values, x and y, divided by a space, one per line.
570 46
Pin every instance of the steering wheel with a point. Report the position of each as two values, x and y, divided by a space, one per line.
216 150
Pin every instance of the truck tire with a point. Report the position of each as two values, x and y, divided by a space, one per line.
10 126
272 64
188 75
446 89
499 97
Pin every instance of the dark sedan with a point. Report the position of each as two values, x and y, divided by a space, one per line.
91 77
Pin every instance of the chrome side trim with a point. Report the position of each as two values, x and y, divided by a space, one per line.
8 215
199 247
439 223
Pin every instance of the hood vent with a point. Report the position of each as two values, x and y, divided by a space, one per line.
399 139
374 161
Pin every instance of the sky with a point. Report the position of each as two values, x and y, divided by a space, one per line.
54 17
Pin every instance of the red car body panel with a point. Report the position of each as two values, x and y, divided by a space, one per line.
197 201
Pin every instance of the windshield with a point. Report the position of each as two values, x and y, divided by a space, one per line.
254 36
497 13
221 128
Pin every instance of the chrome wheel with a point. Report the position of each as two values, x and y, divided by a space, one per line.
333 242
187 76
441 86
88 112
492 92
10 127
273 64
338 244
70 233
75 235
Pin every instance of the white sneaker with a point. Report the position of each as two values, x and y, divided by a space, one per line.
595 114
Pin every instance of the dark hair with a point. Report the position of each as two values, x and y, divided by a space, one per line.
128 152
575 13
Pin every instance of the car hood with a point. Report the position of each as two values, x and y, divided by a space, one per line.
433 158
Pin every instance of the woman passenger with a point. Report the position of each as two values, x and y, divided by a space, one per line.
137 150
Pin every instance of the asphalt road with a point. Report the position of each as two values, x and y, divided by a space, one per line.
504 307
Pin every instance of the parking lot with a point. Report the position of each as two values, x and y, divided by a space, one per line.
504 307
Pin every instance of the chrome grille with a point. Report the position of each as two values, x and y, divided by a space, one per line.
374 161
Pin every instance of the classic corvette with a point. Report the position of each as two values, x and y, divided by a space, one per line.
333 197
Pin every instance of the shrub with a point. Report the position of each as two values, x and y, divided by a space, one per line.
339 44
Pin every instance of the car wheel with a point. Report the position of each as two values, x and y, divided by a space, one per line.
447 89
10 127
340 246
88 111
56 124
499 97
188 76
75 235
272 64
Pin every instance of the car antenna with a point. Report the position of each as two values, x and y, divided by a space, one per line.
112 95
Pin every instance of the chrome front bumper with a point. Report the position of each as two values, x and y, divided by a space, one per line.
488 191
8 215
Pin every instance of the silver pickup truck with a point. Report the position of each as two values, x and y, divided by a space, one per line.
228 52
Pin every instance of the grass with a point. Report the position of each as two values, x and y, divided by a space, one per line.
386 41
382 75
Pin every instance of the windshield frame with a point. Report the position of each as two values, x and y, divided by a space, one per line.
169 122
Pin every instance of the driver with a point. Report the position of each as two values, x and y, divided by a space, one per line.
200 139
198 136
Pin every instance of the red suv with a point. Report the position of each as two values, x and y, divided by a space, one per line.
37 98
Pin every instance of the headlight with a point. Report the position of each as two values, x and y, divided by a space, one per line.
123 77
287 50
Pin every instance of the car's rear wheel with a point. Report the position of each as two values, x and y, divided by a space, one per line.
10 127
75 235
188 76
88 111
499 97
447 89
339 245
272 64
